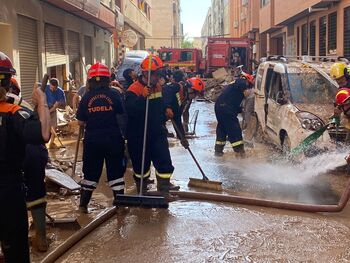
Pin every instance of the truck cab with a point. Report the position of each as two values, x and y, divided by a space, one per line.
187 58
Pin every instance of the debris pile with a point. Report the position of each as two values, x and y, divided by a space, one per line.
67 124
214 86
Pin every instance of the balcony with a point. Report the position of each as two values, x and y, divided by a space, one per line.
91 10
290 11
136 18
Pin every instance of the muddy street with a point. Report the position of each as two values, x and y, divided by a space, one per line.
200 231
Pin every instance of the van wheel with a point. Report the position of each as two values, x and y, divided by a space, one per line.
285 144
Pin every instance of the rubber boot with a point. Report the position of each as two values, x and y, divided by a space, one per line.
39 220
115 193
219 150
85 196
239 150
138 184
163 186
174 187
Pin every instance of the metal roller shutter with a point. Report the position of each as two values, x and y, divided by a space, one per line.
54 46
28 54
88 50
73 50
347 32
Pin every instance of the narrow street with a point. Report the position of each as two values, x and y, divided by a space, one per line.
197 231
255 97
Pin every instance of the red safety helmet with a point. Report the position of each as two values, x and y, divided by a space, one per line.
342 96
156 63
16 89
248 77
98 70
197 84
6 66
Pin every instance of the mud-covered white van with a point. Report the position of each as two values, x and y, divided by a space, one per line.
293 98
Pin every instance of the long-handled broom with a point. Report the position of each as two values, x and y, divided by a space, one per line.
194 182
140 199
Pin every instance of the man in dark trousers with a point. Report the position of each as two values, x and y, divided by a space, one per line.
17 128
157 147
174 98
227 107
103 141
36 157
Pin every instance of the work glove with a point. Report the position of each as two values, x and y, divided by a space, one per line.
335 120
184 143
169 113
146 92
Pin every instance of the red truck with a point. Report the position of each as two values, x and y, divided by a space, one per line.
227 53
188 58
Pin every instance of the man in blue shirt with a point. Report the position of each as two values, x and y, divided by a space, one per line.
55 99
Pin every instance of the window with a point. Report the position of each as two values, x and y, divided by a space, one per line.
264 2
276 86
332 33
304 48
166 56
290 30
313 38
259 77
298 41
186 56
347 32
322 36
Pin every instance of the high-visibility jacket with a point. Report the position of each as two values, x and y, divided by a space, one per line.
135 105
17 127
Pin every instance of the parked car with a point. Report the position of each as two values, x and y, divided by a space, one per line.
132 59
293 98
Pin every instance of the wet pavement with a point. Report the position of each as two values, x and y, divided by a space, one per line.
193 231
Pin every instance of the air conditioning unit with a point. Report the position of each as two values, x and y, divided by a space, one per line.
235 24
244 2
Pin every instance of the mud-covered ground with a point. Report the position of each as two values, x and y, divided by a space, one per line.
194 231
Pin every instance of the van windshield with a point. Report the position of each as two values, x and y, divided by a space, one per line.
310 87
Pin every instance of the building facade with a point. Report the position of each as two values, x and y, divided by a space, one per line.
217 22
137 17
166 25
56 37
289 27
314 28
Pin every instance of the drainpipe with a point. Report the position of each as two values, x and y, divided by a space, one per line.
267 203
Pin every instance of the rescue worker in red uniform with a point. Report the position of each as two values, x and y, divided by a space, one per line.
36 157
17 128
194 87
173 99
103 139
227 107
157 148
340 73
